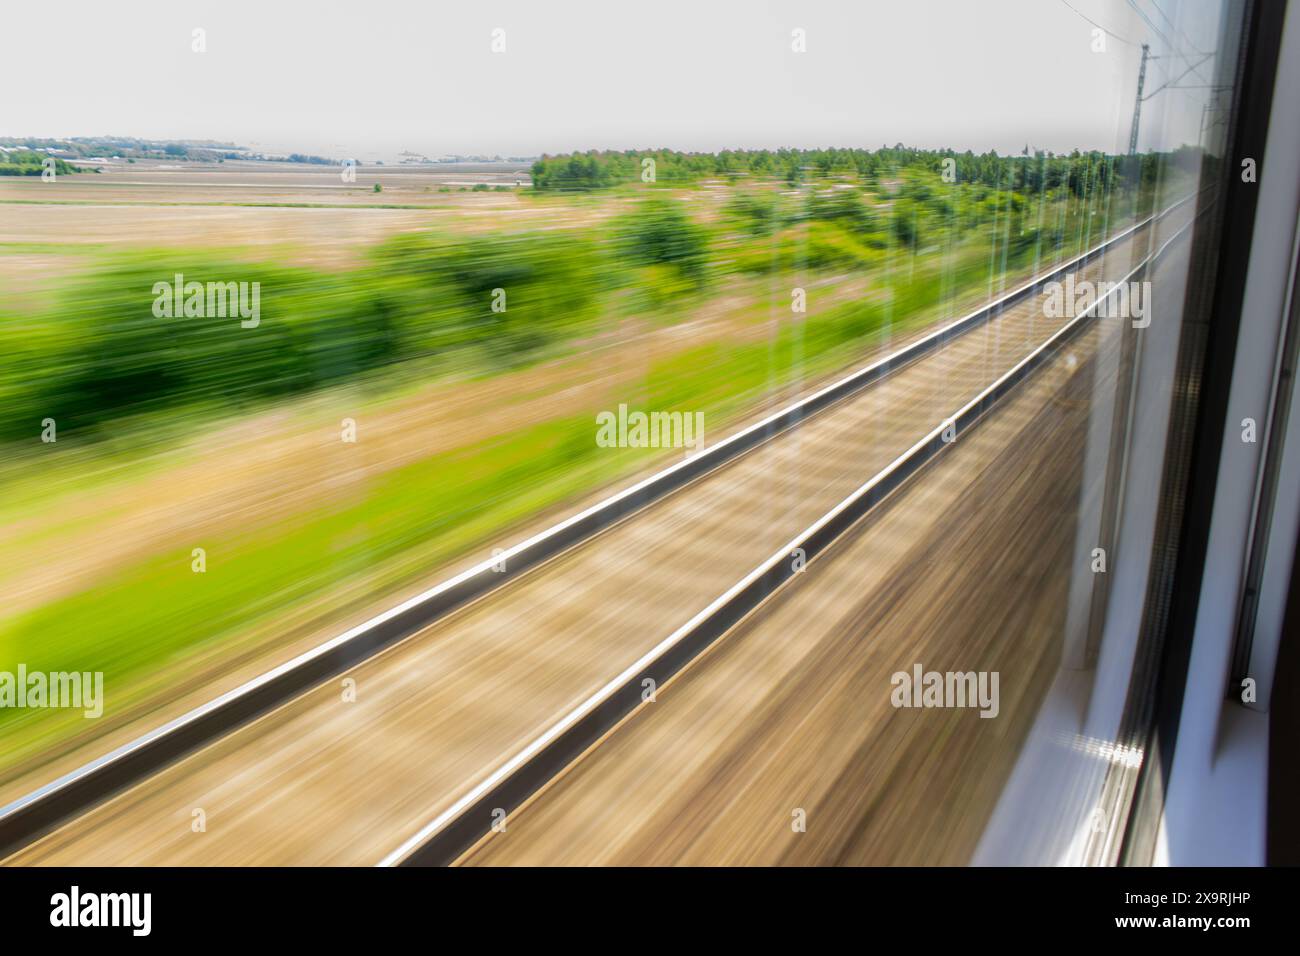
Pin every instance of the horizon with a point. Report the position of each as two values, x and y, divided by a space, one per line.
283 154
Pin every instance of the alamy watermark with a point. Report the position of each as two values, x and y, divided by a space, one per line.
624 429
53 689
75 908
211 300
1114 300
923 688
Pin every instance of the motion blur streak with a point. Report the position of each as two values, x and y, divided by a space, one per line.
467 350
319 783
788 714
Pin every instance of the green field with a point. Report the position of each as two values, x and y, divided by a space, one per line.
881 252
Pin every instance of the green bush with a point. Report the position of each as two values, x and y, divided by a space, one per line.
754 213
658 230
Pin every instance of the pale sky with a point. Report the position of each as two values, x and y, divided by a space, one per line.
367 78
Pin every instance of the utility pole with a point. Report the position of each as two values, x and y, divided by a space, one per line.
1137 105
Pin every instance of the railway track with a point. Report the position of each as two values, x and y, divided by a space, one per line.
779 744
465 691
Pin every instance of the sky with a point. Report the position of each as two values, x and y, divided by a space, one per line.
369 79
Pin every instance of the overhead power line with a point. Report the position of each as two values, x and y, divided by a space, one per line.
1109 33
1170 44
1170 83
1164 16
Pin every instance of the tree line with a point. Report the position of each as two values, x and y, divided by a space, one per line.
1081 173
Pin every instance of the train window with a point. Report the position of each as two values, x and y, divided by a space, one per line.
732 434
